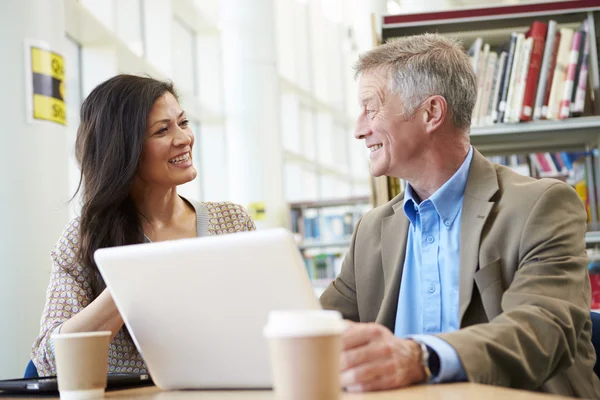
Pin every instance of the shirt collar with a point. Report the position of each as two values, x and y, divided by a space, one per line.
447 200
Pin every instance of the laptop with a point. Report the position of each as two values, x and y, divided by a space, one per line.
196 308
48 385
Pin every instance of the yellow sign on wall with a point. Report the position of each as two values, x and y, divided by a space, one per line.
46 97
257 211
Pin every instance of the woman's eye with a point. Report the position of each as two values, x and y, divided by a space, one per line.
184 123
162 131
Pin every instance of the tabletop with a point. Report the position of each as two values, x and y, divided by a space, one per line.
452 391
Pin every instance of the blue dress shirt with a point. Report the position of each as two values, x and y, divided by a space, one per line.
428 299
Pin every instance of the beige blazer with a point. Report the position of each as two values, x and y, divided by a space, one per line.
524 297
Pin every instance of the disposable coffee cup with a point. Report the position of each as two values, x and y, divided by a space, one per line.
81 364
304 349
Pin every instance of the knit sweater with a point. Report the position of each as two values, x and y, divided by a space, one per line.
73 286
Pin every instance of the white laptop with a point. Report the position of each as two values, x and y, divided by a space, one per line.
196 307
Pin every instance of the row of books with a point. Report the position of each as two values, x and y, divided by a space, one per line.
542 74
560 164
327 224
569 167
324 266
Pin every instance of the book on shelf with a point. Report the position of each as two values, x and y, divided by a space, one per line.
506 78
581 76
548 59
537 33
492 111
548 89
574 60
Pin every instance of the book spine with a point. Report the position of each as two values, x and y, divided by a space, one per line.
487 86
550 76
560 72
506 77
474 52
581 87
578 104
538 35
513 77
517 107
480 82
492 114
544 69
580 53
565 101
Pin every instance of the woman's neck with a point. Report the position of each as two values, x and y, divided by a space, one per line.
158 207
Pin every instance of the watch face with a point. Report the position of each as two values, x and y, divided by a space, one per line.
433 361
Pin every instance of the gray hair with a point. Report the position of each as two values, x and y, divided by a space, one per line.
426 65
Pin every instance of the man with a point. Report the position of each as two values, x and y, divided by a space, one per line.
474 272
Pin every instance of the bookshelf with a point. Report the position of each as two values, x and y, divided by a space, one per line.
494 24
484 31
537 136
323 231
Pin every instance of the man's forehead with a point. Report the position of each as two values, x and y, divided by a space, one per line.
371 86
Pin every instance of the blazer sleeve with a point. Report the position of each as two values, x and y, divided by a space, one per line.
545 308
341 293
69 291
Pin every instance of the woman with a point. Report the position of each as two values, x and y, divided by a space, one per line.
134 147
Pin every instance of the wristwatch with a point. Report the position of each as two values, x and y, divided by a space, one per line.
430 361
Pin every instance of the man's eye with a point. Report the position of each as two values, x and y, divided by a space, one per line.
370 113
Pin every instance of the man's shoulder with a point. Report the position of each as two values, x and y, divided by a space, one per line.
377 214
520 188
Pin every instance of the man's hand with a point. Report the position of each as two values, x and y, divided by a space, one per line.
374 359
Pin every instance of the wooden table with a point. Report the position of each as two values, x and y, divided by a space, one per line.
453 391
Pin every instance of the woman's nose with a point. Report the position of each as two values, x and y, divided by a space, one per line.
182 138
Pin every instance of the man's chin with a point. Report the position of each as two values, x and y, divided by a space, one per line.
377 172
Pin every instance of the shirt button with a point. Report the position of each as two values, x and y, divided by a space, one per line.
431 288
430 239
447 223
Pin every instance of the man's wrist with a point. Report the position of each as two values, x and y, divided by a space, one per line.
424 362
430 362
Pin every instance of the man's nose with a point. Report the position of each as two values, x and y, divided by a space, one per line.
362 129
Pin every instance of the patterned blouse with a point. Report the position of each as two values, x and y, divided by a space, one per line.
72 288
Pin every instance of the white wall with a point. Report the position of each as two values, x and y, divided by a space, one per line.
34 190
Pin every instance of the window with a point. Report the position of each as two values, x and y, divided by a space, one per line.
74 99
129 26
183 62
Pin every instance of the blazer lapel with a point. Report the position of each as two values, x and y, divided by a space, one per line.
482 184
394 232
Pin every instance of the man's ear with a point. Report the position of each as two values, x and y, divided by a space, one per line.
435 111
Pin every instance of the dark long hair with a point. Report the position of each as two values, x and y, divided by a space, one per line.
109 145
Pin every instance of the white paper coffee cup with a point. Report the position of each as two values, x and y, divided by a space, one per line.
305 348
81 364
293 323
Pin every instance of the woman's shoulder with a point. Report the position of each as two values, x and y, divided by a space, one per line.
66 249
227 217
